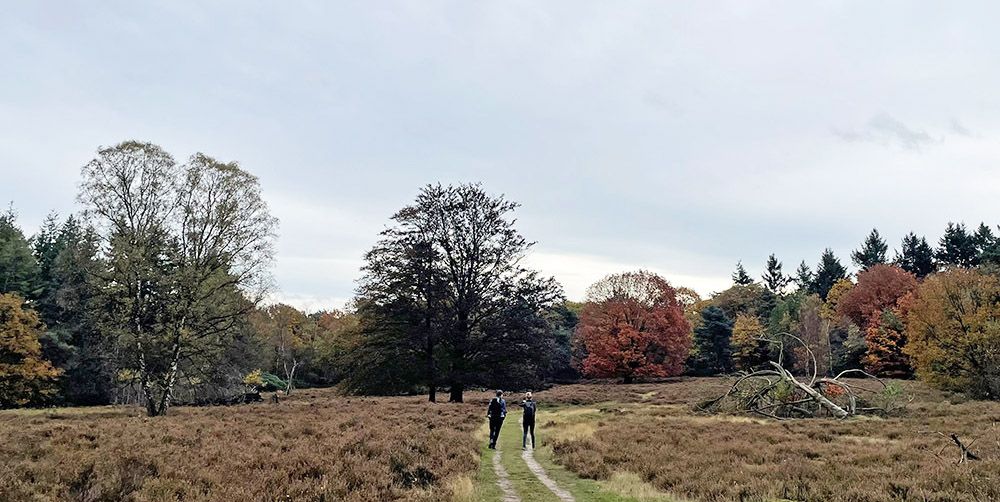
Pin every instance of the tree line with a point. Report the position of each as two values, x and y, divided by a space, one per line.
155 294
930 313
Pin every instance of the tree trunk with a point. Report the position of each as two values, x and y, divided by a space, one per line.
458 362
431 369
455 395
834 410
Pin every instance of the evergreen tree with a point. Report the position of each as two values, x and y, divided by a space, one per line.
987 245
916 256
68 258
872 252
740 276
712 353
803 276
774 279
828 272
18 269
957 247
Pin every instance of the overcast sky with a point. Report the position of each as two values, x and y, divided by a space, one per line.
674 136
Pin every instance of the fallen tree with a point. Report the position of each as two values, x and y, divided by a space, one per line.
775 392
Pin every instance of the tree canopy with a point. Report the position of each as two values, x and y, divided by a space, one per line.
633 326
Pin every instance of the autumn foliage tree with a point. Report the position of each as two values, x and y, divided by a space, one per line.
633 326
25 378
878 288
953 331
886 340
750 348
876 305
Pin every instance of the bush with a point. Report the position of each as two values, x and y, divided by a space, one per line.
271 383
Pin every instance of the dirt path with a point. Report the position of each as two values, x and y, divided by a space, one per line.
503 480
539 472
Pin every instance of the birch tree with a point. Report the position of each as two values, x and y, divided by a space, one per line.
188 249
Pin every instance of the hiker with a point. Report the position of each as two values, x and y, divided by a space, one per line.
528 420
496 412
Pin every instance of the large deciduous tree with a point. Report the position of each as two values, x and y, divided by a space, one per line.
445 291
878 288
25 377
753 299
188 248
633 326
878 305
953 331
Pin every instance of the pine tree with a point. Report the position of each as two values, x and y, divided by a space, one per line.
803 276
712 353
957 248
916 256
18 269
740 276
828 272
987 245
872 252
773 278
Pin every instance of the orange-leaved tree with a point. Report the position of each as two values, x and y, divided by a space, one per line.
633 326
878 288
878 304
25 378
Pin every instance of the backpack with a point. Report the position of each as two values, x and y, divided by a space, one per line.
494 410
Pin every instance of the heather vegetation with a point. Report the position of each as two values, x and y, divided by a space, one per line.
157 295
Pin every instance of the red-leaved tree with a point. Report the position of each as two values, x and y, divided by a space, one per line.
878 303
633 326
878 288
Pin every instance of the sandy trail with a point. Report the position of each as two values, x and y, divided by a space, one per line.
539 472
503 480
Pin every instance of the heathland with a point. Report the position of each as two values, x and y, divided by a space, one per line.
597 441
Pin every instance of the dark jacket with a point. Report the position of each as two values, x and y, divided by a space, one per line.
529 410
497 409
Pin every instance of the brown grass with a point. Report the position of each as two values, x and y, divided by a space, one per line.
717 458
313 446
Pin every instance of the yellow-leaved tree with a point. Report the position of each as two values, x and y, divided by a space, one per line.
750 350
25 377
953 331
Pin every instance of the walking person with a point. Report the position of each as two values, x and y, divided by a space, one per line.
528 420
496 412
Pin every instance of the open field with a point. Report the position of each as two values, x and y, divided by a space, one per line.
598 442
313 446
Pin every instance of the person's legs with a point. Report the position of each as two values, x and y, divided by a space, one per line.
530 427
524 434
499 426
494 432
